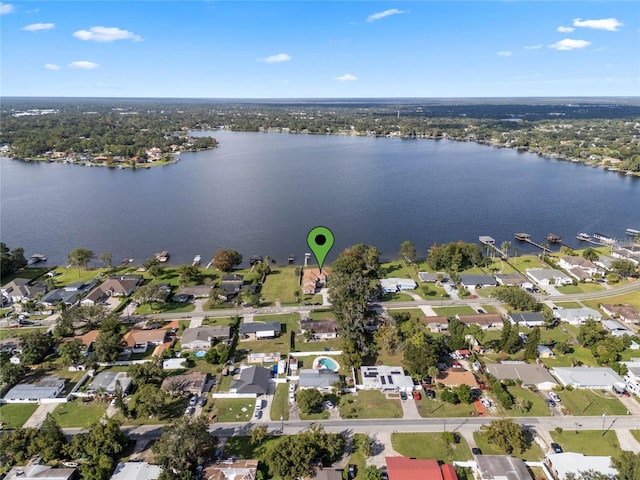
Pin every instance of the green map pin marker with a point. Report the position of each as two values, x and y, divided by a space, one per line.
320 241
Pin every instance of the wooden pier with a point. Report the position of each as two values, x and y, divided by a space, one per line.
525 237
491 243
36 258
583 237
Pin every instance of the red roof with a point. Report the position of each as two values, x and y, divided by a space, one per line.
449 472
403 468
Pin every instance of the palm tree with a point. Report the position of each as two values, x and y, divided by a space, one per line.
505 247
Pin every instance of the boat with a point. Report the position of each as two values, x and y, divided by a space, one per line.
632 231
196 260
603 238
553 238
583 237
162 256
126 261
523 237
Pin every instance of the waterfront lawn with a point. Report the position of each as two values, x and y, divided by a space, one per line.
166 307
591 402
439 409
369 404
280 403
234 409
281 285
581 288
453 311
430 445
588 442
538 409
526 261
69 275
78 413
397 270
533 453
13 415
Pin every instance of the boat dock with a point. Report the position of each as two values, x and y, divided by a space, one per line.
196 260
491 243
525 237
583 237
36 258
162 256
632 231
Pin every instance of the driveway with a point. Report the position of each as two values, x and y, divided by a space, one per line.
37 417
409 408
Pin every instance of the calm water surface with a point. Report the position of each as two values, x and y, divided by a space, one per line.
261 193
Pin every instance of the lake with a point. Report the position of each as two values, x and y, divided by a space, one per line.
260 193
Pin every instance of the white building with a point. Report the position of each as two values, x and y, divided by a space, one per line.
385 379
600 378
392 285
577 316
579 267
562 464
136 471
546 277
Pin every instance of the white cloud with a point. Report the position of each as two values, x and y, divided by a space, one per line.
386 13
280 57
347 77
83 65
533 47
51 66
610 24
36 27
6 8
569 44
565 29
106 34
505 53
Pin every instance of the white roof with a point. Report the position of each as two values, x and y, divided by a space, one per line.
586 377
570 314
385 377
136 471
540 274
395 282
571 462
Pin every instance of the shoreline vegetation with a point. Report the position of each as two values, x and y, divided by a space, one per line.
138 133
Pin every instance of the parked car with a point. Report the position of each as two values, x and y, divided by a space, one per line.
551 403
476 451
328 404
292 387
193 400
202 402
258 404
554 396
190 410
257 413
556 448
351 471
416 395
403 396
486 402
430 393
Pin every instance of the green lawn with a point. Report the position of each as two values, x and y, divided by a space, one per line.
591 402
369 404
240 446
397 270
320 345
31 273
231 409
320 415
69 275
360 462
414 312
13 415
430 445
453 311
526 261
396 297
16 332
631 298
567 304
322 315
280 344
581 288
581 354
78 413
281 285
588 442
218 321
438 408
288 321
636 434
168 307
533 453
539 408
280 403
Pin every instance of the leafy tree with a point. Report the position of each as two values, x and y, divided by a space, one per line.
35 345
351 355
509 339
147 373
11 373
628 465
50 441
17 447
218 354
64 325
387 338
624 268
421 352
522 404
365 445
187 274
152 266
109 343
517 298
258 434
563 347
531 345
506 435
463 392
149 401
455 257
107 259
407 251
225 260
590 333
11 260
457 333
148 294
80 257
590 254
372 473
308 400
70 352
350 295
449 396
183 446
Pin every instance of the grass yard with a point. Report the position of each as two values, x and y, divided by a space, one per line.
414 312
369 404
588 442
78 413
360 462
31 273
636 434
591 402
430 445
322 315
632 299
321 415
280 344
320 345
234 409
581 354
16 332
280 404
167 307
567 304
13 415
539 408
532 453
437 408
289 321
397 269
526 261
396 297
70 275
280 286
218 321
581 288
240 446
453 311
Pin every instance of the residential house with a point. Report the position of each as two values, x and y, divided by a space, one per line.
438 324
119 286
136 471
632 377
627 251
485 321
86 341
580 267
231 470
46 388
320 329
202 338
512 279
626 313
604 262
577 316
527 319
454 377
106 383
545 352
40 472
404 468
599 378
80 287
528 373
385 379
271 357
196 291
472 280
193 383
428 277
501 467
568 464
230 286
174 363
60 295
252 380
393 285
22 289
546 277
259 330
616 329
322 379
313 279
138 340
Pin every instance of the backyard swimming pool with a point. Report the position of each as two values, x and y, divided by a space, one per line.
326 363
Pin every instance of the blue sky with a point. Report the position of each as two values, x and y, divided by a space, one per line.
295 49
